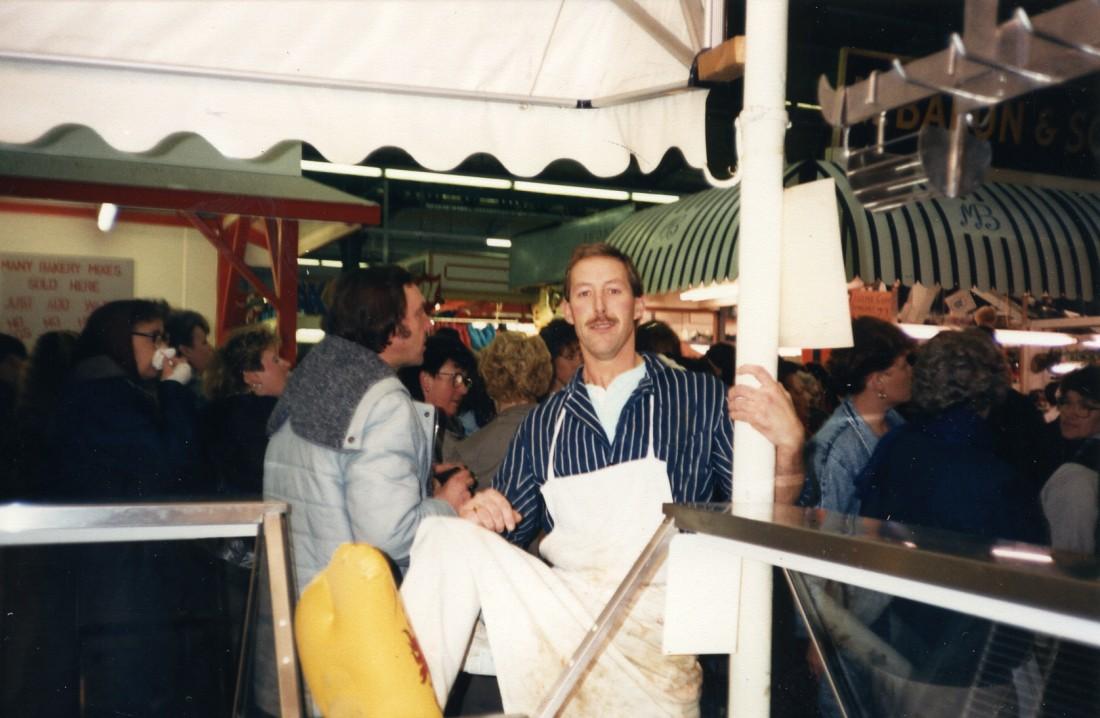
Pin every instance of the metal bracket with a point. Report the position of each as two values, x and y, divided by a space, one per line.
1069 47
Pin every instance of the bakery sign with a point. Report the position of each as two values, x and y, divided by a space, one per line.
40 293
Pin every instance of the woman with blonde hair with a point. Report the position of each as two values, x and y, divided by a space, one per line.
242 383
517 370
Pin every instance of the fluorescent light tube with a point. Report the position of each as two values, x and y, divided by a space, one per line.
654 198
1019 338
1007 337
307 262
338 169
571 190
498 242
440 178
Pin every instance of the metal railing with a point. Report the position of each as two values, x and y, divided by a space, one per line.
33 524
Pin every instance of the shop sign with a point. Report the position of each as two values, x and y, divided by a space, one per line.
871 303
1052 131
40 293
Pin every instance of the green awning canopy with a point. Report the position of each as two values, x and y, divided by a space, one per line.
1009 238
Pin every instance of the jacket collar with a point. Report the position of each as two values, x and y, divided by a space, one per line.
579 404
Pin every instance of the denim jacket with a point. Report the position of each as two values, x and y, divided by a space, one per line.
836 454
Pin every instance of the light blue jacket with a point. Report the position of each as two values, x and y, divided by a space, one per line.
838 452
376 489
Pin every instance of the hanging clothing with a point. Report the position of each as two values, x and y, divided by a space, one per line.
537 615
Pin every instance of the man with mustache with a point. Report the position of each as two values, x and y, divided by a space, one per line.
590 467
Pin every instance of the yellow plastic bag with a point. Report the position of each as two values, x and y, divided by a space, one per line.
358 652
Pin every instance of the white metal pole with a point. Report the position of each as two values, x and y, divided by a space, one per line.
763 124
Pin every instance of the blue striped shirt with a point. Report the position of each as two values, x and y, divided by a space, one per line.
694 436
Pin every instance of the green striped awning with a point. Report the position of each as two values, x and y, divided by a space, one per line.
1013 239
686 243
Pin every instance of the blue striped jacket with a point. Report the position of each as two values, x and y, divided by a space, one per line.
694 436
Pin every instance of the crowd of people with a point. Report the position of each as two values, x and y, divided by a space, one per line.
136 407
452 463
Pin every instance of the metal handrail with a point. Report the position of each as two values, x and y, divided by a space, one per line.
44 524
1031 587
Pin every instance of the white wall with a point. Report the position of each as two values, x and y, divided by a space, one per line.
172 263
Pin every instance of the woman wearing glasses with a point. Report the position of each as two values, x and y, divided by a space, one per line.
123 433
444 378
1070 496
126 421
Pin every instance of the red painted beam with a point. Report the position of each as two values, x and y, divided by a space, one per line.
91 213
215 236
284 255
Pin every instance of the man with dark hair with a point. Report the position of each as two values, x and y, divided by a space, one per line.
590 467
349 451
189 334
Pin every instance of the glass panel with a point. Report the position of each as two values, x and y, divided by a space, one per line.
136 628
892 656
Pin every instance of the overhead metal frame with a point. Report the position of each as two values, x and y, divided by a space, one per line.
988 64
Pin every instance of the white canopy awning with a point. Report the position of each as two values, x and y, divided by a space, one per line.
527 81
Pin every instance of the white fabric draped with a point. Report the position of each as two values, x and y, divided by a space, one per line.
438 78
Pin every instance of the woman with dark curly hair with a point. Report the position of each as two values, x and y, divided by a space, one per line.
517 370
873 376
243 382
941 470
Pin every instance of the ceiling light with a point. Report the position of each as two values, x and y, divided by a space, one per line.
1093 343
440 178
1006 337
1019 338
363 265
498 242
1066 367
725 293
309 336
106 219
654 198
338 169
334 263
571 190
307 262
921 331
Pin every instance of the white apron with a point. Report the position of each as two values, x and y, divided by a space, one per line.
536 616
